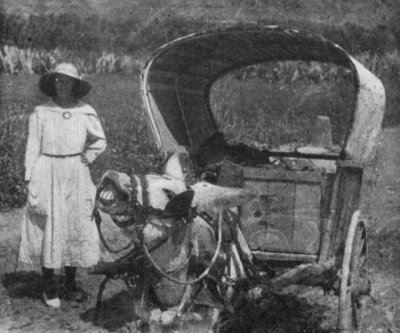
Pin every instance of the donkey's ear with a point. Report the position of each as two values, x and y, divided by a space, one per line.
170 194
180 204
209 197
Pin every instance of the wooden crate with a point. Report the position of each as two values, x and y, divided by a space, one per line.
290 211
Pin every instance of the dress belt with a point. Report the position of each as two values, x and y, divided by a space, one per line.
62 156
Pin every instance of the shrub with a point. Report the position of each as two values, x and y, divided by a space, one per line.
12 139
164 28
14 60
65 30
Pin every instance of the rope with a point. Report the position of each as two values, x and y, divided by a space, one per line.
97 218
203 274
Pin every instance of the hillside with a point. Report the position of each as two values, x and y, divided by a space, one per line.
365 13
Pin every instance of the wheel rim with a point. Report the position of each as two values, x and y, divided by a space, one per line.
354 280
358 274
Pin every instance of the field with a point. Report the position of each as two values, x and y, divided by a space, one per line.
130 148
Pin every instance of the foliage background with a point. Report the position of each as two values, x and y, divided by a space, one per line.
110 40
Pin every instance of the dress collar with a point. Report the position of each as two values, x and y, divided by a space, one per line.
78 108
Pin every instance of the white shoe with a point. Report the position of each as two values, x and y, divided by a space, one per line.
53 302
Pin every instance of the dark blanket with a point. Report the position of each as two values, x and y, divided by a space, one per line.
220 162
216 148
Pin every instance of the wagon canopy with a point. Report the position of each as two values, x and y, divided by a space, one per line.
177 79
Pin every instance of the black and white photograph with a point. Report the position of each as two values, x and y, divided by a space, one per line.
205 166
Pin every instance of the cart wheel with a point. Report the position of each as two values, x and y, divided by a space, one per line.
354 284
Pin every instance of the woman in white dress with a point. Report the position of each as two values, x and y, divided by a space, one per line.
65 135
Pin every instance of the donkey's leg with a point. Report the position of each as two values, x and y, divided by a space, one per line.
141 309
170 316
214 321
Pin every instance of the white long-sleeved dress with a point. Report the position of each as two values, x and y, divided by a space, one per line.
62 232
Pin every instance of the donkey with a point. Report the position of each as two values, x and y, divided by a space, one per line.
188 223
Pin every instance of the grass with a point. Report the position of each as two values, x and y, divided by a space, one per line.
131 147
278 104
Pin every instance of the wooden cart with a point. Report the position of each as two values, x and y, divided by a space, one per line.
313 224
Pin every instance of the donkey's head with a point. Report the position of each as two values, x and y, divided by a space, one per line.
123 197
117 197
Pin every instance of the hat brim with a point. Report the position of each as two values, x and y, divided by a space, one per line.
47 85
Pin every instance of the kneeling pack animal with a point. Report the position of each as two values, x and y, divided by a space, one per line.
189 237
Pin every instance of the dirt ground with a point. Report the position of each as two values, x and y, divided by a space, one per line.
298 309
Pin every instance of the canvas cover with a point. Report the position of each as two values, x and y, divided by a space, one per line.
177 79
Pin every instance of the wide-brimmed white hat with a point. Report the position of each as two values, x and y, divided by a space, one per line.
47 82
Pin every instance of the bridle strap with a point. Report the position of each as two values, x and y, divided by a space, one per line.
98 220
145 193
134 188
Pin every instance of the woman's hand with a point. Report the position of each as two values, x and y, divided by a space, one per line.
84 159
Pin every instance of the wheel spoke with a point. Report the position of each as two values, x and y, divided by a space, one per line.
360 242
358 260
